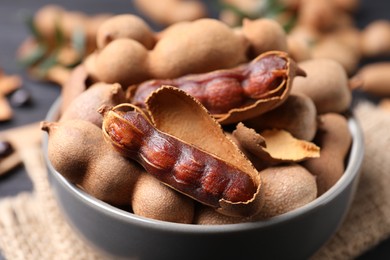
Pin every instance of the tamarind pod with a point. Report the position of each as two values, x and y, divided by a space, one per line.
186 168
374 79
222 90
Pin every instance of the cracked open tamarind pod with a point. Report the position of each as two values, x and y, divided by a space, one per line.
184 167
223 90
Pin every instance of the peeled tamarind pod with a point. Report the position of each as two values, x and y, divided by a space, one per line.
326 83
242 91
78 151
155 200
375 78
286 188
182 166
335 139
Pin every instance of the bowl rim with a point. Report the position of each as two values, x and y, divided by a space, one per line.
355 160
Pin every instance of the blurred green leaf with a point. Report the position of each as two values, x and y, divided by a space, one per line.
34 56
58 35
33 28
47 63
79 41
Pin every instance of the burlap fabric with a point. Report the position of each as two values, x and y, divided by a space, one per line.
32 227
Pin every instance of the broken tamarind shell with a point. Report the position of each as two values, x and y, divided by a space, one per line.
192 170
233 95
275 146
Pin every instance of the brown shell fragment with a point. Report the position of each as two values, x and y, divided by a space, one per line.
275 146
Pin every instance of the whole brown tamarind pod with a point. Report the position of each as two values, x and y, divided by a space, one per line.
78 151
335 140
264 34
287 187
182 166
221 91
374 78
153 199
125 26
326 84
84 106
199 46
297 115
171 11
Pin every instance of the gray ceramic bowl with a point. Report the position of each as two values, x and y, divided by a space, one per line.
293 235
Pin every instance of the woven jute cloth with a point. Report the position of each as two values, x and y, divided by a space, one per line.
33 227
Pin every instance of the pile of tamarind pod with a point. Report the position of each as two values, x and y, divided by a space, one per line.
314 29
60 39
186 150
327 29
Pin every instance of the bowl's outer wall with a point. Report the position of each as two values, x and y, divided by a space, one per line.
297 237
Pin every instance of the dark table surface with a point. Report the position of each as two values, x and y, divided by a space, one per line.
13 31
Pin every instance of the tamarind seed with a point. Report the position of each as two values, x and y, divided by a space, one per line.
264 76
188 168
223 95
155 152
